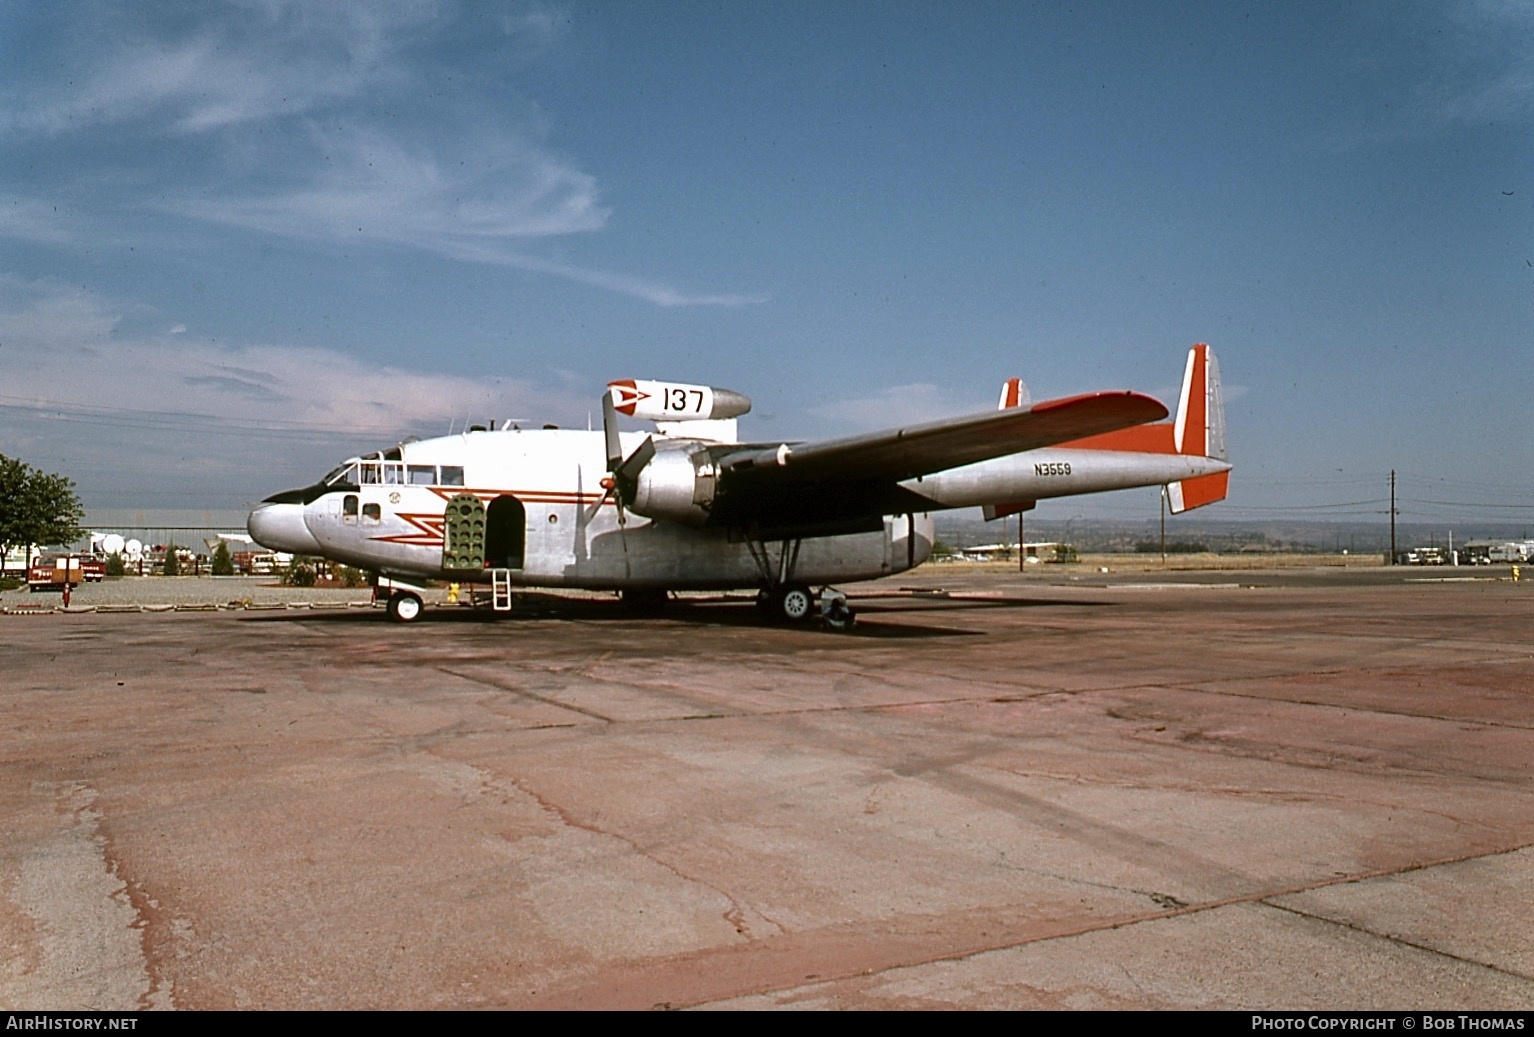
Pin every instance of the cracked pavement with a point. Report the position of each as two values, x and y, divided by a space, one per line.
1313 793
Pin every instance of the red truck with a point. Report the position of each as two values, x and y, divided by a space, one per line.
52 574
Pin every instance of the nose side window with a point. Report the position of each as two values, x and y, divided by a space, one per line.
371 514
349 508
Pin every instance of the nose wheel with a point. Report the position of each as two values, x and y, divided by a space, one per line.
405 607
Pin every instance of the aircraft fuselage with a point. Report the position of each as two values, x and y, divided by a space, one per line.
552 523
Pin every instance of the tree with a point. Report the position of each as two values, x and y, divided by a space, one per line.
172 564
223 565
35 508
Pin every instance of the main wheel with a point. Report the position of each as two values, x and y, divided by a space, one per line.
796 603
404 607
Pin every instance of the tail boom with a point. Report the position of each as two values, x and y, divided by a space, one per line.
1185 455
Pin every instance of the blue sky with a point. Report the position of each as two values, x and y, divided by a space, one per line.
239 241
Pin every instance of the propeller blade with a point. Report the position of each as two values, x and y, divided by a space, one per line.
610 430
627 474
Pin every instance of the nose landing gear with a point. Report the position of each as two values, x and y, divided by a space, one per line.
404 607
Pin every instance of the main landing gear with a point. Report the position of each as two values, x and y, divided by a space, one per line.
793 603
796 603
783 599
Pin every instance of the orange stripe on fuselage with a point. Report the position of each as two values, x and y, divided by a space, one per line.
1140 439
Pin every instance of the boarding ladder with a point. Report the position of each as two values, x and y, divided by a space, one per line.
500 590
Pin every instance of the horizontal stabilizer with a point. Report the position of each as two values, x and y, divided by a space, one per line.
1188 494
992 512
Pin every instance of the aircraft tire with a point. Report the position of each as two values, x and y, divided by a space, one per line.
795 603
404 607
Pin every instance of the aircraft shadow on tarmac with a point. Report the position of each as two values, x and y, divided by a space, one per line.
717 612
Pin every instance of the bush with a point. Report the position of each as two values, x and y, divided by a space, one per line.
115 564
223 565
350 577
299 573
172 565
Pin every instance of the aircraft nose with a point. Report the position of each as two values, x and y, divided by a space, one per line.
280 527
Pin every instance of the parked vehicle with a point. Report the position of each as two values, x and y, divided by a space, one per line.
53 574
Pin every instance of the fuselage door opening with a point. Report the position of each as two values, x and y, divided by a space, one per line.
505 533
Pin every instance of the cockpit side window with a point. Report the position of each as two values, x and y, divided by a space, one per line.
393 473
368 473
422 474
344 473
452 475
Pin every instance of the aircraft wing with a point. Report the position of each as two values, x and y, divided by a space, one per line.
904 453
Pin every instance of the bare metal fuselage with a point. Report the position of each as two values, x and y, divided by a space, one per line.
574 535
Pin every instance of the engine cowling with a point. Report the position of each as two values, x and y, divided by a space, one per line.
677 485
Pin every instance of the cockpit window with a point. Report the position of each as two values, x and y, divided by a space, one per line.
369 472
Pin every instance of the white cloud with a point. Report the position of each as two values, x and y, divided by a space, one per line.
1479 70
898 405
45 222
624 284
329 123
365 184
77 390
232 64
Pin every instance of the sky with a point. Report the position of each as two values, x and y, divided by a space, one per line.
242 241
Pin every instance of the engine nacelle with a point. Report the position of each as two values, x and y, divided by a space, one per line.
677 486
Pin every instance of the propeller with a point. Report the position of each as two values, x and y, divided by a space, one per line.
622 479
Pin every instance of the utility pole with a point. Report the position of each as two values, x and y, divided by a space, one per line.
1163 527
1392 516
